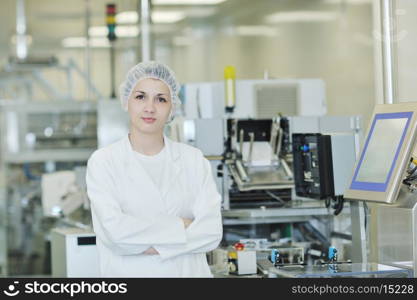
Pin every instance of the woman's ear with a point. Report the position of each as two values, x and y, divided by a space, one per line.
171 114
170 117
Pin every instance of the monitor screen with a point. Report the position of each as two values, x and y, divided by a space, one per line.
381 151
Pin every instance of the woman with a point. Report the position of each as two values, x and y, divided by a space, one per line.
155 207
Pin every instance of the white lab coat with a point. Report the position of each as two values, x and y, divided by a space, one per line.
130 213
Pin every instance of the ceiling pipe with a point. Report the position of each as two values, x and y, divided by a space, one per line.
21 38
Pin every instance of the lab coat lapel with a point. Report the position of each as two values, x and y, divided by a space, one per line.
141 182
172 167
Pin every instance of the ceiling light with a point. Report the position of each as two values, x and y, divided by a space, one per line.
131 17
127 31
99 43
80 42
301 16
200 12
123 31
73 42
186 2
167 16
98 31
127 17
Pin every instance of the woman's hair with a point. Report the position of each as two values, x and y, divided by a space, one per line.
153 70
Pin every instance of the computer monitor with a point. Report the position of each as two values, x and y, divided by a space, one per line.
388 146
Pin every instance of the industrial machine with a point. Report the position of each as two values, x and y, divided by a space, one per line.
43 162
254 167
251 153
346 270
257 99
238 125
36 139
72 250
322 166
384 179
264 159
330 268
254 156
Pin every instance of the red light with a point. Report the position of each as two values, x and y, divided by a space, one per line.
239 246
111 9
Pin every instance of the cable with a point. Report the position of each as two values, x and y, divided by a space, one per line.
413 170
339 205
366 211
272 195
327 201
406 182
411 178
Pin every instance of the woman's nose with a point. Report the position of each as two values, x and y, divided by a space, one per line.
149 106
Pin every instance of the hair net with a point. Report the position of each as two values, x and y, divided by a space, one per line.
145 70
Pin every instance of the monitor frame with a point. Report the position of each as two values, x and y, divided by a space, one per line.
386 192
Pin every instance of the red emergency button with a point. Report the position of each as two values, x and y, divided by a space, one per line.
239 246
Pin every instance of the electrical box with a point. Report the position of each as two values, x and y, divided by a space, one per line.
74 253
313 171
322 163
242 262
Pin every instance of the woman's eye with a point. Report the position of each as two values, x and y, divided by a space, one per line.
139 97
162 99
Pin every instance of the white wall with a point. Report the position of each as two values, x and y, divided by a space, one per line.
406 37
340 52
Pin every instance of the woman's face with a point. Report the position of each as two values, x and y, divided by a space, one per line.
149 106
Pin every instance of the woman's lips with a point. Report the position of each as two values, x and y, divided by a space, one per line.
149 120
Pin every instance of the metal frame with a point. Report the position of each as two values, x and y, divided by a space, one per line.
32 73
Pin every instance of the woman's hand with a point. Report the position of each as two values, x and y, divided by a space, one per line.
187 222
150 251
